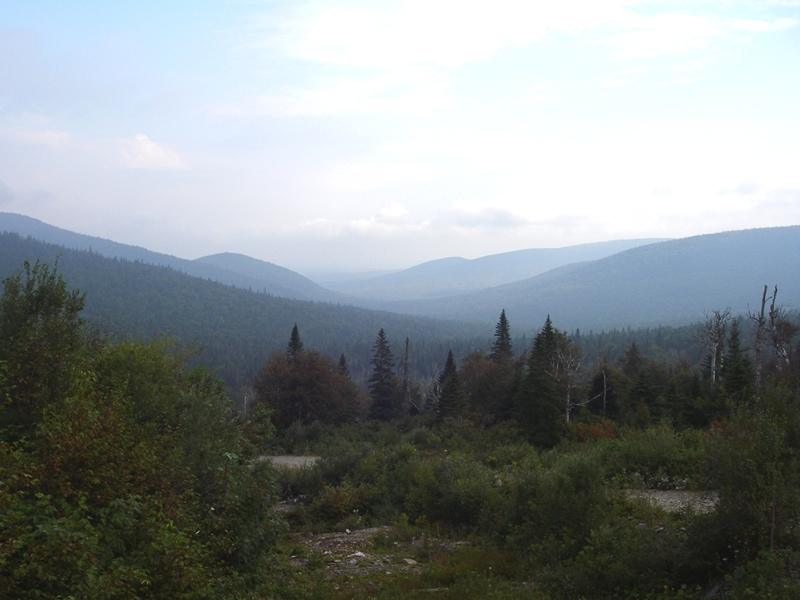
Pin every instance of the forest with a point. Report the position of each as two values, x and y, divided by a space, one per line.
522 469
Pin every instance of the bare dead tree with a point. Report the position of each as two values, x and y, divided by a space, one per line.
602 363
759 324
712 335
566 368
781 333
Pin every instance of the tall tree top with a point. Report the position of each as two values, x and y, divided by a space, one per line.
501 348
382 384
295 346
343 368
449 368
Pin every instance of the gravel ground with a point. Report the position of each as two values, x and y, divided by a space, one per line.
353 553
679 500
293 462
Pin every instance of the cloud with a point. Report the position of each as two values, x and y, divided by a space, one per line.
441 33
762 26
141 152
406 57
37 137
362 177
6 195
483 218
653 36
746 188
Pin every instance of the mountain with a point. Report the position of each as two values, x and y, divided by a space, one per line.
452 276
268 274
237 328
666 283
229 269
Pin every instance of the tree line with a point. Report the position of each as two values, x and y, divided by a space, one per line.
543 389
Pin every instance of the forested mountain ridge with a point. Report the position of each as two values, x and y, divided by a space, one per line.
228 269
238 328
667 283
266 273
455 275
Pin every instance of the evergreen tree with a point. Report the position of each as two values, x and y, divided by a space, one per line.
501 348
383 383
343 368
295 346
451 395
736 369
538 402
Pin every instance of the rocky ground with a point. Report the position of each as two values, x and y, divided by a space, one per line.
679 500
364 552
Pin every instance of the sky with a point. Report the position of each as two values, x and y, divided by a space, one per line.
365 135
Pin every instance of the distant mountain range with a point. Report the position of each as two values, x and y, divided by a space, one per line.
453 276
231 269
624 283
667 283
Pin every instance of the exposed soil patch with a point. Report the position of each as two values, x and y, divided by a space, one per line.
355 555
293 462
675 501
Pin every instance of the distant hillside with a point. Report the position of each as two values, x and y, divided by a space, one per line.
671 282
237 327
266 274
452 276
229 269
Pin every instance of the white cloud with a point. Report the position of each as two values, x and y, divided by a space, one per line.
37 137
6 195
657 35
482 218
404 57
763 26
141 152
444 33
368 176
402 92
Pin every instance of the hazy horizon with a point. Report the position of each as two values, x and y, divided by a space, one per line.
358 136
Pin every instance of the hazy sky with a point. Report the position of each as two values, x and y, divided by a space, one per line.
360 135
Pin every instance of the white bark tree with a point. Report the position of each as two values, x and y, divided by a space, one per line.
712 335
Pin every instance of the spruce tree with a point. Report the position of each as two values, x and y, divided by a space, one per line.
383 383
501 348
295 346
451 395
736 369
343 368
538 405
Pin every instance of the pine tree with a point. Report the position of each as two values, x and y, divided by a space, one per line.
451 395
538 403
736 369
501 348
383 383
343 368
295 346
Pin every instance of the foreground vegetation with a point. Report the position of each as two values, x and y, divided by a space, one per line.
126 474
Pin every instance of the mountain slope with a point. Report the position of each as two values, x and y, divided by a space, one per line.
263 271
237 328
670 282
452 276
269 278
